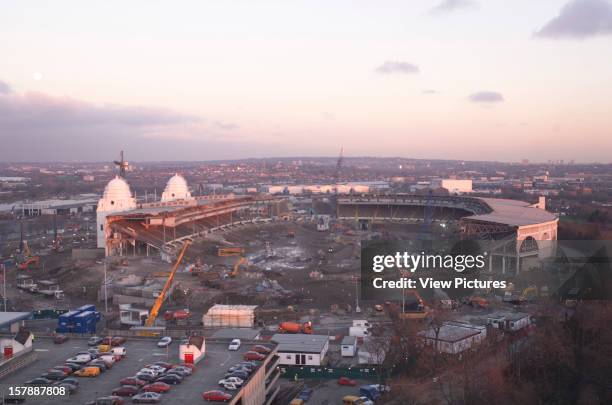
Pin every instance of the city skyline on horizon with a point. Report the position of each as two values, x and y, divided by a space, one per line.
435 79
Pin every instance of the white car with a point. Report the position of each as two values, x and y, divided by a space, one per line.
231 380
79 359
164 342
108 359
234 344
150 371
230 386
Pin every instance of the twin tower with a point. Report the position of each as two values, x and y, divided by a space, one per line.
118 197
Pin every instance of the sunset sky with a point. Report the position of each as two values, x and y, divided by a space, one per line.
198 80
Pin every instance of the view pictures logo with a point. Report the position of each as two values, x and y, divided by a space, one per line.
405 261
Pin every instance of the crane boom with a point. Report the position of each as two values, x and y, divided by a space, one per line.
160 299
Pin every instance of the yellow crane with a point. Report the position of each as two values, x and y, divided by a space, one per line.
160 299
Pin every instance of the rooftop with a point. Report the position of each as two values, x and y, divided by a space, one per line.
300 343
9 318
513 213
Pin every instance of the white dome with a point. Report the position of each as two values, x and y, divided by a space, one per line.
176 189
117 189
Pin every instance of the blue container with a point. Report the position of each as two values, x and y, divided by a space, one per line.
87 307
66 321
85 322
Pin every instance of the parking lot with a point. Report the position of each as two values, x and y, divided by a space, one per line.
139 353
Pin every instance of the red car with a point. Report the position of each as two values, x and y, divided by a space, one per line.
118 341
253 356
346 381
65 369
136 382
158 387
216 396
58 339
125 391
261 349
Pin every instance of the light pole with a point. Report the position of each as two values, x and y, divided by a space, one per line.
4 285
105 290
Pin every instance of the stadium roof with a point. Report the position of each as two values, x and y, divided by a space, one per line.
513 213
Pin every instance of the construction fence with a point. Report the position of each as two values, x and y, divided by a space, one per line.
361 373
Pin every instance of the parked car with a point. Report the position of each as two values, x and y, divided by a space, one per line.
189 365
88 372
238 373
126 391
261 349
136 382
164 342
230 386
305 394
178 371
118 341
164 364
39 381
65 369
158 386
54 375
109 359
119 351
253 356
70 387
73 366
59 339
216 396
346 381
231 380
94 341
151 371
80 359
145 377
234 344
71 380
146 398
98 363
186 370
171 379
110 400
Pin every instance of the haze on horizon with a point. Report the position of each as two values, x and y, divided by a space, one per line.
490 80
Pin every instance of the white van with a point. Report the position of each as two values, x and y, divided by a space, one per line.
119 351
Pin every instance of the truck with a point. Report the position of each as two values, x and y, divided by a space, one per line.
179 315
294 327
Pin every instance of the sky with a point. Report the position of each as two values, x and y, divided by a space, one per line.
200 80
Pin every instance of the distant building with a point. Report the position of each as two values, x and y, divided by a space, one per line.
453 186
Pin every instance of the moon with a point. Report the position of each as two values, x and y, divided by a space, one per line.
37 76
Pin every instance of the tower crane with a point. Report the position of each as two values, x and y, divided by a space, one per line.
160 299
122 165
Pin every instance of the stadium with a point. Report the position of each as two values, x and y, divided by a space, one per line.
519 230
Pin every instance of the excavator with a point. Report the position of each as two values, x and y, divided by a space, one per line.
162 295
241 261
28 258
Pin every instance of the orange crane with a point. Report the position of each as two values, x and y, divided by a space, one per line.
160 299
